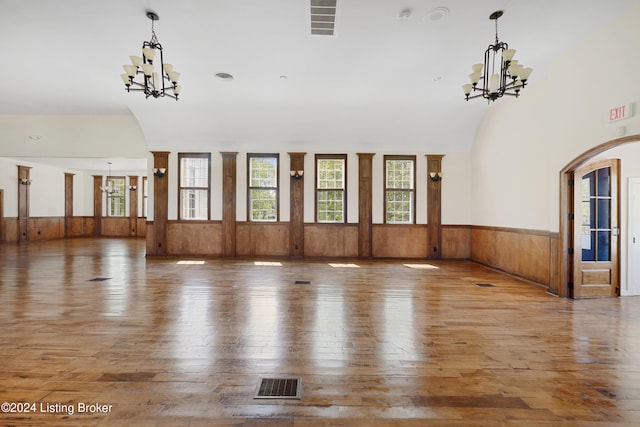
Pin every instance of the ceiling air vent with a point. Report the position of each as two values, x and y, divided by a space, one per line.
323 17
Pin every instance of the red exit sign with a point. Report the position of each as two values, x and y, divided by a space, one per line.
620 112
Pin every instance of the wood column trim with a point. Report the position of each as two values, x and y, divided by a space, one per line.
296 221
97 205
160 204
24 175
133 205
68 203
434 206
229 186
365 203
2 236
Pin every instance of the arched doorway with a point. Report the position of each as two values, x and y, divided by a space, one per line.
568 180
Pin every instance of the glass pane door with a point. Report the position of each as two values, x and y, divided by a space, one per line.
596 215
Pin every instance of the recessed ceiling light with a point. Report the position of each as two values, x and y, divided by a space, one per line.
224 77
438 14
283 77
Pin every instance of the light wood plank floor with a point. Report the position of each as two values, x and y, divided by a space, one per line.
383 344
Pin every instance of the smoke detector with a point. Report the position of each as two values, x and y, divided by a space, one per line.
404 15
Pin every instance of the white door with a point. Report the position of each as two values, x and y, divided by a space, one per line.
633 285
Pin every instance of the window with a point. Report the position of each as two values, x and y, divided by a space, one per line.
331 172
116 198
194 170
263 186
145 196
399 184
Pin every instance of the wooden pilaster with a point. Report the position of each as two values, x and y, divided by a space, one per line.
160 204
365 195
434 206
229 183
133 205
24 184
97 205
296 245
68 203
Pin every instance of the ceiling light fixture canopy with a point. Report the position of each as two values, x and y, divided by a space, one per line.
153 83
500 74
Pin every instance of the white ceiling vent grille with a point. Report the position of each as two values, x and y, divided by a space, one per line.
323 17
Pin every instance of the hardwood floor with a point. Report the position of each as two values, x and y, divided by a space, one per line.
87 322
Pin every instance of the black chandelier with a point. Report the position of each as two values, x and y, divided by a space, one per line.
152 83
499 75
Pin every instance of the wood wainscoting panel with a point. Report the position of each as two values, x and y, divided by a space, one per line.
534 260
483 246
90 226
262 239
1 215
554 263
141 228
400 241
194 238
456 242
115 227
46 228
11 230
508 251
521 252
74 226
331 240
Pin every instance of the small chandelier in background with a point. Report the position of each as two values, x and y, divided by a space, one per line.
109 188
500 74
152 83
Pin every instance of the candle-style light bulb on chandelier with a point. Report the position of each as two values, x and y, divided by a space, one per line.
499 75
109 189
151 82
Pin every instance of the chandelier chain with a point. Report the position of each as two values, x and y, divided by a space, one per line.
154 38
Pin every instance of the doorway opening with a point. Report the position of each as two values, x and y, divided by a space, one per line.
577 269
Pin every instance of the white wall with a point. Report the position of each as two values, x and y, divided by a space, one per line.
522 144
456 189
9 183
46 193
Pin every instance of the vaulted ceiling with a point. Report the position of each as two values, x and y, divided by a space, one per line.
379 83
